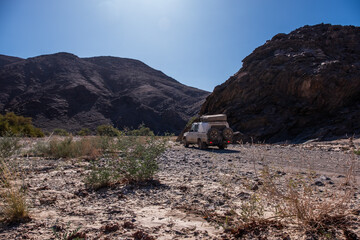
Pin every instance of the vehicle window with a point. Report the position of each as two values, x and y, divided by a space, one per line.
196 128
193 128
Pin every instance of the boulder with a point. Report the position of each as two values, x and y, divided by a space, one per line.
297 86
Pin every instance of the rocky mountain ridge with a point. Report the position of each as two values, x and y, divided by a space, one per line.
64 91
297 86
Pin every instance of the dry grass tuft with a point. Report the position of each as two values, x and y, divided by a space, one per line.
14 206
13 200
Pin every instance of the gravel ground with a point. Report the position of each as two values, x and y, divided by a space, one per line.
194 195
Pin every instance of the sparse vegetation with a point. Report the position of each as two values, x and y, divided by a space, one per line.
61 132
13 202
88 148
84 132
107 130
9 145
298 199
18 125
141 131
134 161
68 234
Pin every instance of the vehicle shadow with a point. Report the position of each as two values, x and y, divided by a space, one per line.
216 150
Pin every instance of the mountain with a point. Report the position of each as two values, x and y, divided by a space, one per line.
64 91
297 86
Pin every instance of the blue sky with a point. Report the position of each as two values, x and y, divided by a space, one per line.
200 43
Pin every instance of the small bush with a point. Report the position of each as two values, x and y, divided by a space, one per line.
141 131
107 130
61 132
9 145
134 162
18 125
84 132
99 177
138 163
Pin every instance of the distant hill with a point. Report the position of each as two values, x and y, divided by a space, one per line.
297 86
64 91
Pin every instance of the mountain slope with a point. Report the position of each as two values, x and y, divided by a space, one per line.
297 86
64 91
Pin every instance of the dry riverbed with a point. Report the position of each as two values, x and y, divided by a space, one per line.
197 194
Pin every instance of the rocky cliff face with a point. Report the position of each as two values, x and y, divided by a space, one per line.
64 91
297 86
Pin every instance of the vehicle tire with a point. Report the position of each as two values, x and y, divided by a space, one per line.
213 134
228 134
186 144
201 144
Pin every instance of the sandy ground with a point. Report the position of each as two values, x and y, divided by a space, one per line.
191 195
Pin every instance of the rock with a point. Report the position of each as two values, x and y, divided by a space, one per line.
111 227
129 225
319 183
323 178
64 91
244 195
297 86
140 235
255 187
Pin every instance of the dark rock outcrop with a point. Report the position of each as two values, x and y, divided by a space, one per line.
297 86
64 91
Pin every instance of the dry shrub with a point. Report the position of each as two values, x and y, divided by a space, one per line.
13 201
14 207
89 148
298 199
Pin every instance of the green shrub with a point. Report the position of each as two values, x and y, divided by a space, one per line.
138 162
141 131
61 132
99 177
134 162
84 132
107 130
18 125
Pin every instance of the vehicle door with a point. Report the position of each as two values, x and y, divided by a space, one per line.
193 133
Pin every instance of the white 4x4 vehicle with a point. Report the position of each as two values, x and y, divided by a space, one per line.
213 130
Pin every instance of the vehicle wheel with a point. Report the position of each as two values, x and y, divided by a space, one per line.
186 144
201 144
213 134
228 134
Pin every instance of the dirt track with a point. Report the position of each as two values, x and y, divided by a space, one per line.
190 185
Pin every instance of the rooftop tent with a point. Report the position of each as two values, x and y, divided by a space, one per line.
213 118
